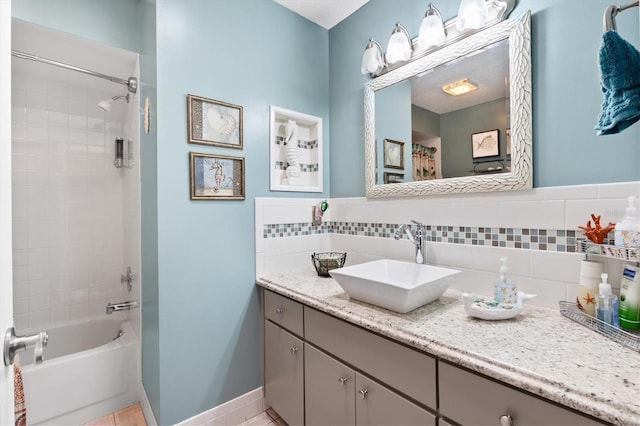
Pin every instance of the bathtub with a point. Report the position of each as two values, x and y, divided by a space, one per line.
88 372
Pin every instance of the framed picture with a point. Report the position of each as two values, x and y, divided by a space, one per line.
393 177
485 144
212 122
393 154
508 148
216 177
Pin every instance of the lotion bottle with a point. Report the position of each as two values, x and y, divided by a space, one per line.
630 298
627 230
607 304
505 290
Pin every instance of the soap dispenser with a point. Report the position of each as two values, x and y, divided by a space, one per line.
607 304
627 230
505 290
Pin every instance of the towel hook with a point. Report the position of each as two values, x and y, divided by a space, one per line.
609 21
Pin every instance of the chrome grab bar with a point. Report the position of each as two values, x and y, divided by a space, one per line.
122 306
14 343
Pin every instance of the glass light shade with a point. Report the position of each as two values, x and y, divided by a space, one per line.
431 32
399 46
372 62
472 14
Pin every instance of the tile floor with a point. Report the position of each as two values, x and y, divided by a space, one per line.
128 416
266 418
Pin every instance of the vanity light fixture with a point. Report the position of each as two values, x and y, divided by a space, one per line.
431 30
372 59
472 14
399 47
460 87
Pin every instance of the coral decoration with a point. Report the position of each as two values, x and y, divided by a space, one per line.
596 233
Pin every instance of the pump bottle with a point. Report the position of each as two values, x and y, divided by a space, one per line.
607 303
505 290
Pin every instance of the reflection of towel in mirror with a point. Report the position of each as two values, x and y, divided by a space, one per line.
620 79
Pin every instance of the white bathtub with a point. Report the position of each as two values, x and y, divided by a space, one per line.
85 375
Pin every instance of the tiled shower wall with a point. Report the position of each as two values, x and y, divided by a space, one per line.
67 202
544 221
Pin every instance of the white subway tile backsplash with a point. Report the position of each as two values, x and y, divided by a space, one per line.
543 266
532 214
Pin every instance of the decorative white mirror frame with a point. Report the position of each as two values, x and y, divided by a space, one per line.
518 31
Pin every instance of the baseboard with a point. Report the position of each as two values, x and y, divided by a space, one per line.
146 408
232 412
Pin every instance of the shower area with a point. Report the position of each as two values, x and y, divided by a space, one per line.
76 222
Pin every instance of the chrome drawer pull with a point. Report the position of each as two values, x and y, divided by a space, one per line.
363 393
505 420
343 381
279 310
293 350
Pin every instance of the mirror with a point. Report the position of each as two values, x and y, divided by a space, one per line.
420 140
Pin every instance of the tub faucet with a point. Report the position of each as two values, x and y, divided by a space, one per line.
123 306
417 237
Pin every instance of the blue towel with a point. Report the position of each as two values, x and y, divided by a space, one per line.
620 74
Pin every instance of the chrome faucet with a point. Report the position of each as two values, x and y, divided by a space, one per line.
123 306
417 237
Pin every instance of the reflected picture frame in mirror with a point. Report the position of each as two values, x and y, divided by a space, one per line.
520 177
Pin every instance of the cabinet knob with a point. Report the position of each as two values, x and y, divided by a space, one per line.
363 393
343 381
293 350
279 310
505 420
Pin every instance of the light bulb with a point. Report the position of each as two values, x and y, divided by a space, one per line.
431 30
399 45
472 14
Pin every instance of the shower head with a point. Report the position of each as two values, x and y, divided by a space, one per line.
106 104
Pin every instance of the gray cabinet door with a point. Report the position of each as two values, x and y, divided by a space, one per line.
329 390
284 373
377 405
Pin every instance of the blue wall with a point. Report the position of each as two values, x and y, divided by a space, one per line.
253 53
566 101
112 22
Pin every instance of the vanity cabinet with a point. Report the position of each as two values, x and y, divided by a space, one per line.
470 399
321 370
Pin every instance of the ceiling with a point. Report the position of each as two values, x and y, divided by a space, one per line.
326 13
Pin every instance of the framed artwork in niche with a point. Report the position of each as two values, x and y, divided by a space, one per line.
393 154
485 144
212 122
216 177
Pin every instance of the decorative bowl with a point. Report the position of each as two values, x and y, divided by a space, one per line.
326 261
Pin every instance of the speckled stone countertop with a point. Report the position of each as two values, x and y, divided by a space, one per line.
539 351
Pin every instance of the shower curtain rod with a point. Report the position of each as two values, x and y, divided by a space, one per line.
131 82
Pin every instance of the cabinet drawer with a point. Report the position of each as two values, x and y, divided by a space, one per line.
283 311
409 371
377 405
470 399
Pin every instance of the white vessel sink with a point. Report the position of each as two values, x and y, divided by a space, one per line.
393 284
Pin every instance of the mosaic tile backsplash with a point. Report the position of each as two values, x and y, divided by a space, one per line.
557 240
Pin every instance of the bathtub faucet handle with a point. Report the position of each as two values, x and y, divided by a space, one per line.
14 343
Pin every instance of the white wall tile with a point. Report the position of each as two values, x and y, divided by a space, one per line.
555 266
579 212
488 259
527 214
574 192
619 190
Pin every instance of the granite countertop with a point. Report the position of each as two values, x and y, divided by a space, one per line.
539 351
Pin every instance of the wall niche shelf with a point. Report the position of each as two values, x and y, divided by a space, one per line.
608 250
